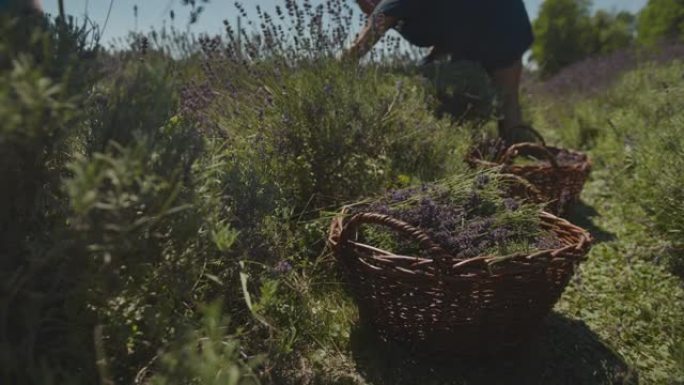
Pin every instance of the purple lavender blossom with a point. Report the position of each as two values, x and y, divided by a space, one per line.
511 204
500 235
400 195
481 180
466 230
474 201
282 267
594 74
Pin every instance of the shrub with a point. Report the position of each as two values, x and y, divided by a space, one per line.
105 221
206 356
563 34
328 133
661 20
566 33
40 95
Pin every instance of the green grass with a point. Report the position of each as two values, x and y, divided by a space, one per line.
626 292
634 305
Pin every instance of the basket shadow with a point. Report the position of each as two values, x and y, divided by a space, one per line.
581 215
565 352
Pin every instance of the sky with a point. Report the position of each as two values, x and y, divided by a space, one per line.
155 13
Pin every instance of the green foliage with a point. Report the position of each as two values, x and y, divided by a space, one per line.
144 231
39 93
640 136
103 211
566 32
563 34
329 133
134 104
612 31
464 91
661 19
312 320
207 356
34 113
636 148
40 97
61 51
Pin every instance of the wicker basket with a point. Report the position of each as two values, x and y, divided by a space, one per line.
558 185
437 303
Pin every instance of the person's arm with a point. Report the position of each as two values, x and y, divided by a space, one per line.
367 6
375 29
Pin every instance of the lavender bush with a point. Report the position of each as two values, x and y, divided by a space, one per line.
199 170
126 192
595 74
327 133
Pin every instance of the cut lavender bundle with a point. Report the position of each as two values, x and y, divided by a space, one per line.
467 219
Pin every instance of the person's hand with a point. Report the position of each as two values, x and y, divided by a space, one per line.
375 28
434 54
367 6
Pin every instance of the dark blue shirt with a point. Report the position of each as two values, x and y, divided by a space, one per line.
493 32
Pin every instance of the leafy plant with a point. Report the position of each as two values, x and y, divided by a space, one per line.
207 356
661 20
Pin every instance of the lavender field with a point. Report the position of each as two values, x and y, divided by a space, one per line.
165 204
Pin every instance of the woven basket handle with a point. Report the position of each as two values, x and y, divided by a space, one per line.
433 250
516 149
533 131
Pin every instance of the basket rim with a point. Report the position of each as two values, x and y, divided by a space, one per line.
474 157
576 244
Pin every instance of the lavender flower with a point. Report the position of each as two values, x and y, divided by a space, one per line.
481 180
466 229
500 235
511 204
594 74
282 267
474 201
